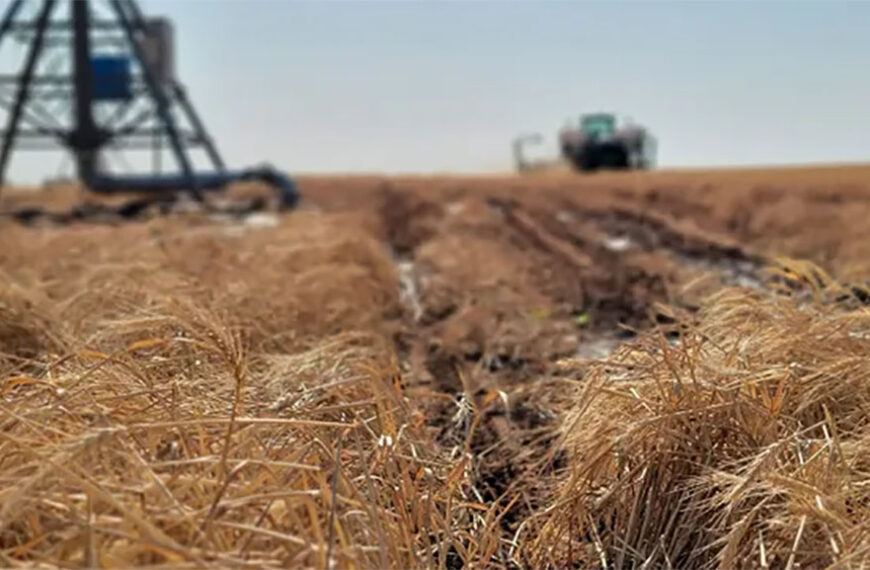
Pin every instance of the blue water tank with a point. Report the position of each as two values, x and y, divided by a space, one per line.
111 77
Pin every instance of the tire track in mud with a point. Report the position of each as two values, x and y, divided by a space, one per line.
619 246
616 262
407 223
590 261
625 228
575 275
487 409
611 263
581 251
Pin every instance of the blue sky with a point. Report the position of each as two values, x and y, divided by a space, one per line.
445 86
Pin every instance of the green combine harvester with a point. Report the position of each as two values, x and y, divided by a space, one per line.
599 143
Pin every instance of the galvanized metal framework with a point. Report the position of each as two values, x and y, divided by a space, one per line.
64 97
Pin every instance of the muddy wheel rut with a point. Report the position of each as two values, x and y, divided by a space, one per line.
586 278
497 292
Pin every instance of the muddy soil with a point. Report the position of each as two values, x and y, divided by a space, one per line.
498 289
499 279
501 288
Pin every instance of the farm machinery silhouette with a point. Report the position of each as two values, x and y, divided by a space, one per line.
597 142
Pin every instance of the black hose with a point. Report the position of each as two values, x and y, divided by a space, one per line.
136 209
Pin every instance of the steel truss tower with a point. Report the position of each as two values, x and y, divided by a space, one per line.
98 76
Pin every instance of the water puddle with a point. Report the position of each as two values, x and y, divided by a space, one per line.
409 286
618 243
597 348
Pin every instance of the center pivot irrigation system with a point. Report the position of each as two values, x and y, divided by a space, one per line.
98 79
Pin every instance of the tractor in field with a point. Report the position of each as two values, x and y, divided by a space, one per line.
599 143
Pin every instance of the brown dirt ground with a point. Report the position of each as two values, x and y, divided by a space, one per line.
482 284
515 273
502 275
512 272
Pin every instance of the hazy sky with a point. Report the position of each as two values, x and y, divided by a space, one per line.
445 86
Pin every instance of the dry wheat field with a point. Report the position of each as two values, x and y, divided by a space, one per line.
642 370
